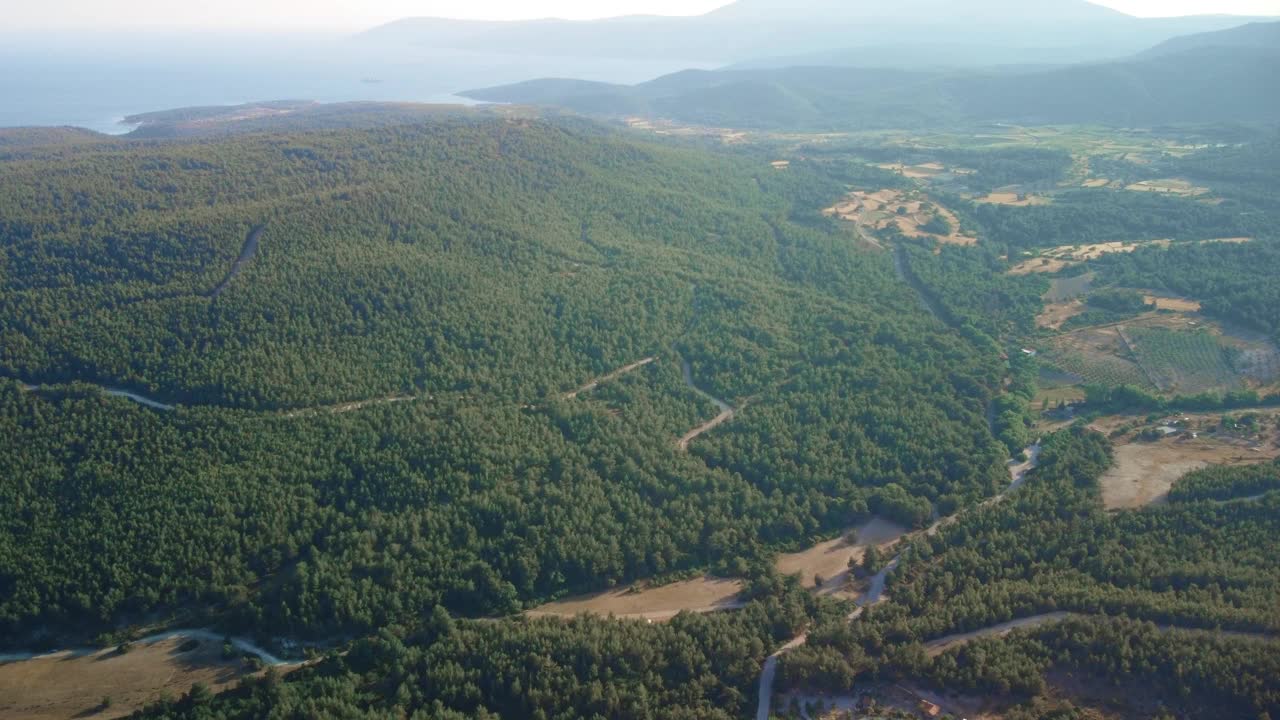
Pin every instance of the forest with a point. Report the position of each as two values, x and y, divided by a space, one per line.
371 416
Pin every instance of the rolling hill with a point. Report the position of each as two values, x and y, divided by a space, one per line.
1066 31
1202 83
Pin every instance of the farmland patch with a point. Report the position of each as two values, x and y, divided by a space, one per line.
911 212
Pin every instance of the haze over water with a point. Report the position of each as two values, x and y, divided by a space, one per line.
94 82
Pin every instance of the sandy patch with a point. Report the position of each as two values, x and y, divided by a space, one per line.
1096 183
68 685
915 172
707 594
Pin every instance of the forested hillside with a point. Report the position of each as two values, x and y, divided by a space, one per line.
369 335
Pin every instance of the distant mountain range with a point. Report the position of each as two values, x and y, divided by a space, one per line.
1222 76
919 33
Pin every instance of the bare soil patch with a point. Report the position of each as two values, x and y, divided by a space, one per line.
1039 265
1144 471
830 560
67 685
705 594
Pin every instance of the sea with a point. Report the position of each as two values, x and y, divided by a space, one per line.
96 80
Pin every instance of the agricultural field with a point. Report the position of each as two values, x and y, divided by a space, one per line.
1013 199
1182 362
910 212
1069 288
1097 366
1055 315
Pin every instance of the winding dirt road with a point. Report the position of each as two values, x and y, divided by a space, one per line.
727 411
875 592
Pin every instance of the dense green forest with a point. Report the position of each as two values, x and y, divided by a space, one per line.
466 273
1050 547
1234 281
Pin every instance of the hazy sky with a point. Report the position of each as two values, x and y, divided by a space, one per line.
356 14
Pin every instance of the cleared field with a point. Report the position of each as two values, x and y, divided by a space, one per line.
1056 314
1013 199
1184 305
830 560
909 212
1143 472
1039 265
1171 186
707 594
68 685
1098 355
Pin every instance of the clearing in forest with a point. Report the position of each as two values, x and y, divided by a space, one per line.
708 594
830 560
1144 470
67 685
1013 199
1170 186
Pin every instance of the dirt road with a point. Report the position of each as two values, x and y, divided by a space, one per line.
609 378
875 591
727 411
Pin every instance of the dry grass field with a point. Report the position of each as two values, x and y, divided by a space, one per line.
70 685
830 560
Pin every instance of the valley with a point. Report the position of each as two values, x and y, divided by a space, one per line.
850 380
